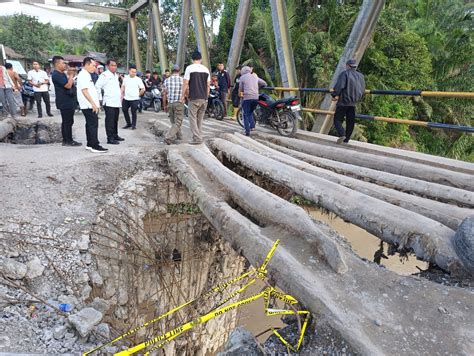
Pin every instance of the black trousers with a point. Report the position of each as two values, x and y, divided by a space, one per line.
45 96
349 113
111 122
130 104
67 116
92 125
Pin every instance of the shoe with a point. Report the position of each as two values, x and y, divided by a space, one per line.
340 139
134 128
89 148
50 115
98 149
118 138
113 142
40 116
72 144
22 111
346 140
126 126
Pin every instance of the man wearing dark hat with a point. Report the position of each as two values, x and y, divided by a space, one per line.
174 91
348 91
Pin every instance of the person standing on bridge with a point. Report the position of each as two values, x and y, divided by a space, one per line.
89 103
248 89
132 89
223 78
348 91
40 81
173 87
109 82
197 79
65 99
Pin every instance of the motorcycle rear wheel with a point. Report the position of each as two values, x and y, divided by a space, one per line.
290 124
240 117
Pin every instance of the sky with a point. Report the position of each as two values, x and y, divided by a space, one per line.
47 14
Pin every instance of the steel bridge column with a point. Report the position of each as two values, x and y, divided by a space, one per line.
149 43
357 42
200 32
136 48
160 42
286 60
183 34
238 37
129 52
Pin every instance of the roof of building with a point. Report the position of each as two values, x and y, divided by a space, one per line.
11 54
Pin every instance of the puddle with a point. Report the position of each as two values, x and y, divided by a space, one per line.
366 244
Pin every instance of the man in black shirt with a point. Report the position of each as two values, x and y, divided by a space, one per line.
223 78
65 99
348 91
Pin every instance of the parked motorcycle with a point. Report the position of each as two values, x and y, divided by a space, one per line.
282 115
215 106
151 99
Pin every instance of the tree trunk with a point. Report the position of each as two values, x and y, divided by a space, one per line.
350 302
422 188
449 215
369 160
7 127
430 240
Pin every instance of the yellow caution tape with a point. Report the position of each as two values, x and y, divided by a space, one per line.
266 294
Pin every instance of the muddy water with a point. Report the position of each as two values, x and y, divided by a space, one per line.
365 244
253 317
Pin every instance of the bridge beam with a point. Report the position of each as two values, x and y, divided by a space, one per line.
200 29
160 42
183 33
357 42
286 60
136 48
150 41
238 37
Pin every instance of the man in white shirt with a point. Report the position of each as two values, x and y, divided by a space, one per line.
112 101
196 86
132 89
89 103
40 81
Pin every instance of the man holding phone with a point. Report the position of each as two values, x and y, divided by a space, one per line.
89 103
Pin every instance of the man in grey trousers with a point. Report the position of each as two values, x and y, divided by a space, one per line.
6 92
197 79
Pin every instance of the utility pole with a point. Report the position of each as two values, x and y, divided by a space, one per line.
356 45
149 42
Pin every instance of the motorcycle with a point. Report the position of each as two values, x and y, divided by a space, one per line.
282 115
151 99
215 106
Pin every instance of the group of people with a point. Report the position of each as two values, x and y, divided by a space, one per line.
94 88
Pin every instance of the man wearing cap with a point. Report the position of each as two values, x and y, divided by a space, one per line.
174 90
348 91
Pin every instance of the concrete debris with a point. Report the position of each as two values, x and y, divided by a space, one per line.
378 322
100 304
34 268
86 292
85 320
12 269
83 243
241 342
59 332
103 329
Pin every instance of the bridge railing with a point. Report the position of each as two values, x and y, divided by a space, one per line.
438 125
